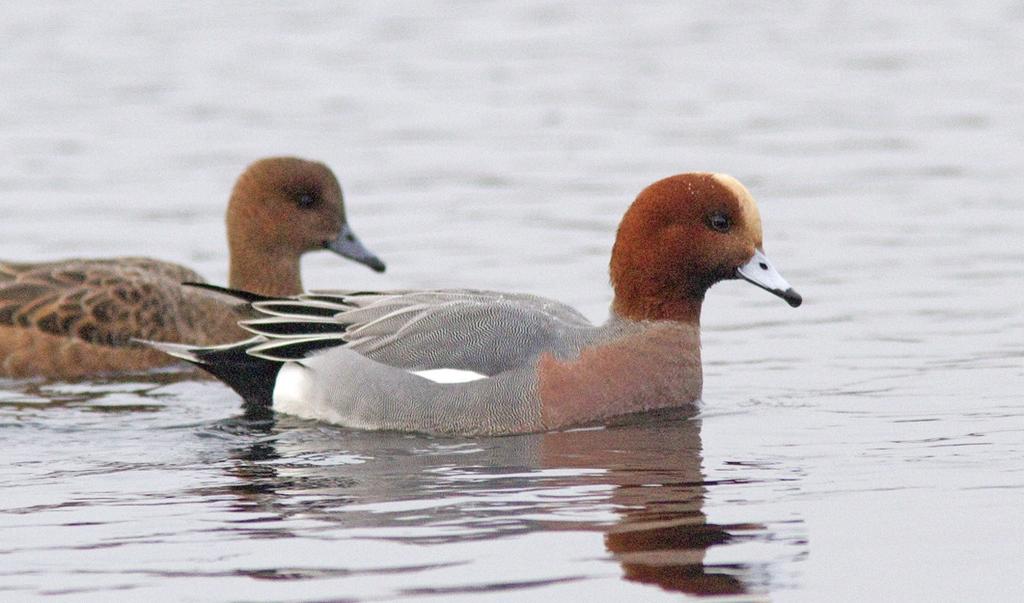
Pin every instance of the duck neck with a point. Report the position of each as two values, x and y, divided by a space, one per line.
685 309
274 274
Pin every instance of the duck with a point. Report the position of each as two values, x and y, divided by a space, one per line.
473 362
81 318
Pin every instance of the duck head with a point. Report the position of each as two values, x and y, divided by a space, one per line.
281 208
682 235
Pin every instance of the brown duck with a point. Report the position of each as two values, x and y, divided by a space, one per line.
81 317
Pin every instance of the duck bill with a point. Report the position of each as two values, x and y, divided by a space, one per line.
348 245
760 271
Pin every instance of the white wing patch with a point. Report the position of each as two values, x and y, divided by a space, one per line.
447 375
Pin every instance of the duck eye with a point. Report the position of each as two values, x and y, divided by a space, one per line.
720 222
306 201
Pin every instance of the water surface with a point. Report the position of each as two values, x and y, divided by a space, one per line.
866 446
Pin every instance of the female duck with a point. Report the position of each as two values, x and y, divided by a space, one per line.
81 317
351 358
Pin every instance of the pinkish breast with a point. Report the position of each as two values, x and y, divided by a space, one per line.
658 367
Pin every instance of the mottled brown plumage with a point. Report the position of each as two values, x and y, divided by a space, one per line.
81 317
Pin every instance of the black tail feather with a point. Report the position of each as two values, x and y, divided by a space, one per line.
239 294
250 376
284 326
334 298
287 307
285 350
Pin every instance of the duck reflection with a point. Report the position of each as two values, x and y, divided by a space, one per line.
661 535
639 483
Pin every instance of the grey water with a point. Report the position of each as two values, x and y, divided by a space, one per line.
867 446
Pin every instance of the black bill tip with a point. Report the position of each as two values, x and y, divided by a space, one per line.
377 265
792 298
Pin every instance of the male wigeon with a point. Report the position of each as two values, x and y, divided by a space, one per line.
83 317
352 358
